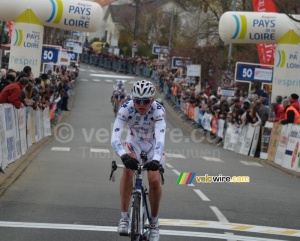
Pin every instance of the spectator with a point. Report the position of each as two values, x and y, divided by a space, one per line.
279 112
262 111
12 93
294 101
9 80
291 114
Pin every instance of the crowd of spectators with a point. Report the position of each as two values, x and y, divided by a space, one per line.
21 89
254 107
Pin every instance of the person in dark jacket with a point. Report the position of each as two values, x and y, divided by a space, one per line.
294 101
262 111
9 80
291 114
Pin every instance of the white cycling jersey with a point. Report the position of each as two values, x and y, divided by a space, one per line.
146 132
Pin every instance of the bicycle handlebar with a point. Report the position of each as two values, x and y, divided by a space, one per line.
114 167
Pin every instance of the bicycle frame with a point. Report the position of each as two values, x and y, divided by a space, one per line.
140 190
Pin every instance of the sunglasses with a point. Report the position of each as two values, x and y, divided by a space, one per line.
142 101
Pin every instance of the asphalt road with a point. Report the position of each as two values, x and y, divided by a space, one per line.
65 194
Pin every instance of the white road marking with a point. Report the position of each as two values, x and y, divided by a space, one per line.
173 155
212 159
60 149
84 80
112 76
83 70
131 82
229 227
96 80
251 164
114 229
169 166
230 234
191 185
219 215
108 80
93 71
99 150
201 195
176 172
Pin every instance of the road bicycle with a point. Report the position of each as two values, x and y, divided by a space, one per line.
139 228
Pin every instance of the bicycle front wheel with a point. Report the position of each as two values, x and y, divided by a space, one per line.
135 219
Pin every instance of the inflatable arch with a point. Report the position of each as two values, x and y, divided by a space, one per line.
258 27
31 16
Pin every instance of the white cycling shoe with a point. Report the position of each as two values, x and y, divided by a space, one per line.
123 226
154 232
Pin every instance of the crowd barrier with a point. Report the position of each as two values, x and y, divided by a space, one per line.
118 65
19 129
279 143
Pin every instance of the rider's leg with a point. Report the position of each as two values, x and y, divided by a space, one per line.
155 192
126 185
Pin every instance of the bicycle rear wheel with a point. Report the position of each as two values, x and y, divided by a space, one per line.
135 219
115 108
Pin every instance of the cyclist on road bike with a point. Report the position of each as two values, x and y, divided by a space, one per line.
116 90
146 121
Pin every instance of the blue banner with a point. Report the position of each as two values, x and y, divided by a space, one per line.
201 114
73 56
50 55
253 73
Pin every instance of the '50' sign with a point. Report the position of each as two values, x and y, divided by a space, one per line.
50 55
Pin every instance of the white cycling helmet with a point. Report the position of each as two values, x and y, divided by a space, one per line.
143 89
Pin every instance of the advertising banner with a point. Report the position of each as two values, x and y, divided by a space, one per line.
253 73
191 111
33 128
22 129
75 15
206 121
241 138
246 144
3 147
196 114
255 141
234 137
253 27
194 70
284 137
26 43
228 134
286 79
201 114
17 134
291 158
220 130
9 134
266 136
274 141
28 129
41 125
46 122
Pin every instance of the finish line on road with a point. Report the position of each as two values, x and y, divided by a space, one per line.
173 222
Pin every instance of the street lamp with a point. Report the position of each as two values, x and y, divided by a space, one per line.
136 26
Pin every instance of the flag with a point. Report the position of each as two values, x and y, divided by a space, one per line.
10 28
266 51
